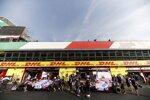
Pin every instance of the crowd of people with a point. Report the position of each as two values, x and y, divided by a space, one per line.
74 84
128 81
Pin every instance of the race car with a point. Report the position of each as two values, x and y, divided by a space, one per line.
42 84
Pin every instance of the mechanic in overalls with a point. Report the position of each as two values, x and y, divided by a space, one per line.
87 85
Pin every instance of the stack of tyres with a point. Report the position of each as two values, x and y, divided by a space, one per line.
116 87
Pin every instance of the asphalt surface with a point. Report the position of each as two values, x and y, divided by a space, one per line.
44 95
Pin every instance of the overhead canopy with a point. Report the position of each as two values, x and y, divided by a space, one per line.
2 23
11 30
78 45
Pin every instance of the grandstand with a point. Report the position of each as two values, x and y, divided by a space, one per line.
9 32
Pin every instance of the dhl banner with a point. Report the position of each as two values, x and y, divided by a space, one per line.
75 63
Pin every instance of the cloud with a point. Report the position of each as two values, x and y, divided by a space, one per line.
79 20
127 21
132 26
91 8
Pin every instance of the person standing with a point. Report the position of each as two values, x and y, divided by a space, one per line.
119 83
128 82
87 85
66 82
55 84
123 91
62 83
119 79
70 82
77 86
134 84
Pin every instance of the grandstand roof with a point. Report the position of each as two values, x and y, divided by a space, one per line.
11 30
5 22
77 45
88 45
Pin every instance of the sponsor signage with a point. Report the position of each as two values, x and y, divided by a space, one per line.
74 63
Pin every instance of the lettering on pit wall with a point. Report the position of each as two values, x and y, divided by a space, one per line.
107 63
82 63
7 64
57 63
130 63
32 64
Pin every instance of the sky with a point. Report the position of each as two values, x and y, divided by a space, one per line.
80 20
